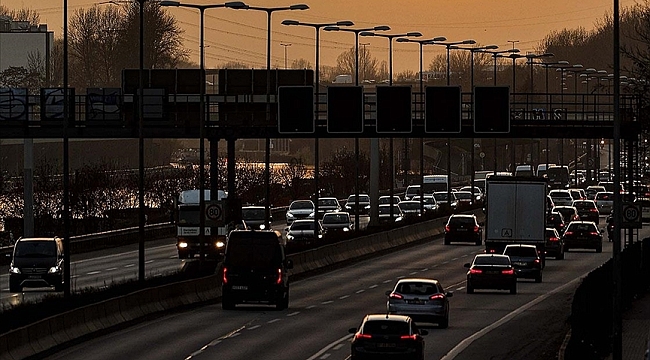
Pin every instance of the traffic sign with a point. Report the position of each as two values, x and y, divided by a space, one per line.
214 214
631 216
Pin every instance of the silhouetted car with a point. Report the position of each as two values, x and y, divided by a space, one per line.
525 260
301 234
556 221
430 204
386 199
554 243
464 200
384 214
337 222
583 235
605 202
358 206
561 197
410 209
300 209
36 262
569 213
587 210
326 205
254 217
422 299
462 227
381 335
491 271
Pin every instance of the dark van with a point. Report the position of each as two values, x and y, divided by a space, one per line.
36 262
255 270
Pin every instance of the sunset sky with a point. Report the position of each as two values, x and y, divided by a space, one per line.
239 35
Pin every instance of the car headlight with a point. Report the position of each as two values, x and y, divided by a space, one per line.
289 215
366 207
345 229
220 244
320 236
182 245
262 227
289 237
54 270
14 270
311 215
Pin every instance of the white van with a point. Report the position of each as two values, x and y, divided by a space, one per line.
541 169
524 170
433 183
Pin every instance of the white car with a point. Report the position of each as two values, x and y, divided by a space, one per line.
561 197
300 209
604 202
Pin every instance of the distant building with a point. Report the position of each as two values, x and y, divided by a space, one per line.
19 41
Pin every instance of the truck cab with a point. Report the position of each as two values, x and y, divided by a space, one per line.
188 227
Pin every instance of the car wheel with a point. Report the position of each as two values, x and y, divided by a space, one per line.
470 289
227 303
599 249
14 287
513 289
444 323
538 278
282 302
59 286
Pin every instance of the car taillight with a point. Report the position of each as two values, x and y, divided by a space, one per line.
536 261
568 233
437 297
279 279
594 233
447 228
407 337
508 272
491 251
476 228
396 296
225 277
553 239
593 210
475 271
362 336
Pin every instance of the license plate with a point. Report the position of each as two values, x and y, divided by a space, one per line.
582 238
520 263
386 345
34 277
492 272
461 230
240 287
416 302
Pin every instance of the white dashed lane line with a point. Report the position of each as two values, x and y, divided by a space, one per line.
325 356
372 286
359 291
327 302
272 321
344 297
338 346
310 307
386 281
425 269
130 265
149 261
254 327
413 272
460 288
293 313
111 269
93 273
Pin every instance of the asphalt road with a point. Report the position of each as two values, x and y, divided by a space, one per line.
484 325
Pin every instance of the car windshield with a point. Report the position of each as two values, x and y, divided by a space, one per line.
386 200
327 202
417 288
386 209
412 190
427 199
462 195
561 195
520 251
386 327
566 211
491 260
253 214
336 219
582 227
298 205
410 206
584 205
440 196
35 249
252 252
461 220
303 225
362 198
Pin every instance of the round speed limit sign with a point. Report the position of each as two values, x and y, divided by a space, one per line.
631 213
213 212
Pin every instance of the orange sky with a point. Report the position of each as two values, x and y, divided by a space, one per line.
241 35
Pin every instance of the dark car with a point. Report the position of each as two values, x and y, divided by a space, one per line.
254 217
422 299
525 260
554 243
380 335
491 271
462 227
301 234
587 210
569 213
443 202
36 262
583 235
464 200
255 270
410 209
358 206
556 221
610 226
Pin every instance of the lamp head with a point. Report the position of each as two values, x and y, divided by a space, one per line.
367 33
236 5
299 7
414 34
602 71
169 3
344 23
381 28
331 28
403 40
490 47
290 22
439 38
468 42
512 50
577 66
563 62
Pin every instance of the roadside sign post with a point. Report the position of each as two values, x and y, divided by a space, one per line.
631 216
214 214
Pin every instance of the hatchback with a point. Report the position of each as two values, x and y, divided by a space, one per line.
561 197
587 210
381 335
569 213
430 204
556 221
525 260
604 201
462 227
410 209
384 213
491 271
554 243
584 235
421 299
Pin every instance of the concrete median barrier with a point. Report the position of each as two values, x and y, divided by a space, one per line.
18 344
40 336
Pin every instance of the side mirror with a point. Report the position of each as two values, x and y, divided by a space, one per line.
424 332
466 265
289 264
286 229
352 330
388 292
449 294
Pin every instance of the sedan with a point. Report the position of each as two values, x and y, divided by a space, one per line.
358 206
326 205
525 260
569 213
384 213
300 209
421 299
462 227
584 235
605 202
587 210
387 335
430 204
385 199
464 200
410 209
334 222
301 234
556 221
491 271
554 243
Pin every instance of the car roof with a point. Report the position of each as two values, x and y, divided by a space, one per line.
406 202
38 239
327 198
490 255
522 245
387 205
389 317
297 201
336 213
432 281
560 207
253 207
462 216
582 222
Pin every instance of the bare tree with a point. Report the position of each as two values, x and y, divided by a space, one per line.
23 14
301 64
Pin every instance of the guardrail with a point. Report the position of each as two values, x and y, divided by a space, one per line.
59 329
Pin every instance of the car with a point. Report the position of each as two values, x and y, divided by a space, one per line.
554 243
463 227
411 191
524 170
255 270
587 210
358 206
583 235
410 209
386 199
604 201
478 193
255 217
430 204
526 261
569 213
491 271
301 234
337 222
381 335
464 200
36 262
556 221
422 299
609 185
442 200
578 194
561 197
326 205
384 213
549 203
592 190
300 209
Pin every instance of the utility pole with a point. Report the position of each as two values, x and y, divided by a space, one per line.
513 42
286 45
363 71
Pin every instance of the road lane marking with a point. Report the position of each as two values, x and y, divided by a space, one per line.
272 321
413 272
310 307
326 348
454 259
254 327
460 288
477 335
293 313
338 346
425 269
325 356
327 302
372 286
344 297
129 265
386 281
359 291
93 272
111 269
149 261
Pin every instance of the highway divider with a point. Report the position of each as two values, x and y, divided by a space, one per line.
54 332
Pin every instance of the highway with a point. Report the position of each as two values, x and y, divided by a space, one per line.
487 324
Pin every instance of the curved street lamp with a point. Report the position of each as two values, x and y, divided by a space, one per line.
448 46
